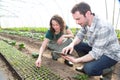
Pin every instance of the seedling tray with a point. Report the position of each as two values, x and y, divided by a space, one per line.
23 66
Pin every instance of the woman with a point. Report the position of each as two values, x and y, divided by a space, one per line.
58 37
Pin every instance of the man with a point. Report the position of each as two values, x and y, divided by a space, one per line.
101 50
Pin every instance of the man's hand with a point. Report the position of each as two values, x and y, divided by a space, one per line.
67 50
85 58
70 58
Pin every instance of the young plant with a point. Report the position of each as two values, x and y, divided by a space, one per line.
21 46
81 77
13 43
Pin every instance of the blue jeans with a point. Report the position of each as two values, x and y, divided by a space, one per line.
95 67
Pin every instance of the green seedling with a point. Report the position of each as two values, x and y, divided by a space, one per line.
81 77
35 55
21 46
5 41
13 43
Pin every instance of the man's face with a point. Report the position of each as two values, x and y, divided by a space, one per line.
80 19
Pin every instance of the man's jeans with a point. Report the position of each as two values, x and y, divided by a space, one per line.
95 67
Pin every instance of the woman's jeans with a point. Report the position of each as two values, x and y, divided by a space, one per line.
95 67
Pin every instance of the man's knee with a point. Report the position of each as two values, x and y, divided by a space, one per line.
91 71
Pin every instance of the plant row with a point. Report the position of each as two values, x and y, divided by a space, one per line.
37 36
37 33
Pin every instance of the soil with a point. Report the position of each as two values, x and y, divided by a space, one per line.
5 73
32 45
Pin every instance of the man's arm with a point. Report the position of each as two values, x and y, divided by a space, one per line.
83 59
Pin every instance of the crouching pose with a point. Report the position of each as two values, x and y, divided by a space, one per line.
57 37
101 48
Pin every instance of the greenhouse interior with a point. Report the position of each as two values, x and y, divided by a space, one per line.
28 26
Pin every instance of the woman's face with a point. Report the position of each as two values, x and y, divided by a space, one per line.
55 26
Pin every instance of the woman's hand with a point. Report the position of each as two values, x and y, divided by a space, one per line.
60 40
38 62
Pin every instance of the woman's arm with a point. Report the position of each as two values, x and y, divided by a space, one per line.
43 46
68 34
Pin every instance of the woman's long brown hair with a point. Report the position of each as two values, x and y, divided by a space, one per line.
60 21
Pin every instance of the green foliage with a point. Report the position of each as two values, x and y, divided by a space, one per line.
38 36
0 29
5 40
81 77
21 46
118 34
36 30
24 65
37 33
30 29
74 30
35 55
13 43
